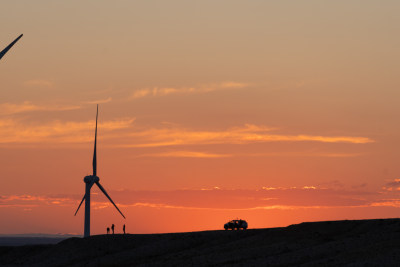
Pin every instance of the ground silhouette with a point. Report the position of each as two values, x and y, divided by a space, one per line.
334 243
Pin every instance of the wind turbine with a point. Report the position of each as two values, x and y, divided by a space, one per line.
90 180
5 50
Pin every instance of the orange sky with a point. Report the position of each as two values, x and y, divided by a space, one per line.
271 111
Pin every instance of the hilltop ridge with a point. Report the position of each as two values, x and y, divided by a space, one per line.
331 243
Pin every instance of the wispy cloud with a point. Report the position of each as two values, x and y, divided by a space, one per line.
56 131
304 197
15 131
238 135
199 154
30 201
99 101
187 154
11 108
387 203
300 154
27 106
163 91
39 83
392 186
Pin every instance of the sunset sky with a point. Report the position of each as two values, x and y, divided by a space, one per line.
276 112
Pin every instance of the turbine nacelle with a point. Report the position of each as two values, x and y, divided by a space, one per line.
90 179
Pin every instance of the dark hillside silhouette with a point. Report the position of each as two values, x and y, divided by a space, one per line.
335 243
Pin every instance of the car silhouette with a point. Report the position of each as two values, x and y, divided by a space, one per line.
236 225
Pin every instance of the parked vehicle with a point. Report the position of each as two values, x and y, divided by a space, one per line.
236 225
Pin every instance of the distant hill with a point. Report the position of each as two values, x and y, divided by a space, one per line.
32 239
334 243
23 241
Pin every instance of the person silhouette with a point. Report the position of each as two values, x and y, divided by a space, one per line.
108 230
123 228
112 228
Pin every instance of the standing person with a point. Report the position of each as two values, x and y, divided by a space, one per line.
112 228
123 228
108 230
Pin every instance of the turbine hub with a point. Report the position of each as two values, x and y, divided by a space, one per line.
91 179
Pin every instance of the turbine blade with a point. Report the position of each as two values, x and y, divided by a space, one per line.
91 184
105 193
5 50
80 204
94 163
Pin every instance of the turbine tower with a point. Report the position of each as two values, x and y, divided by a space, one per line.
5 50
90 180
